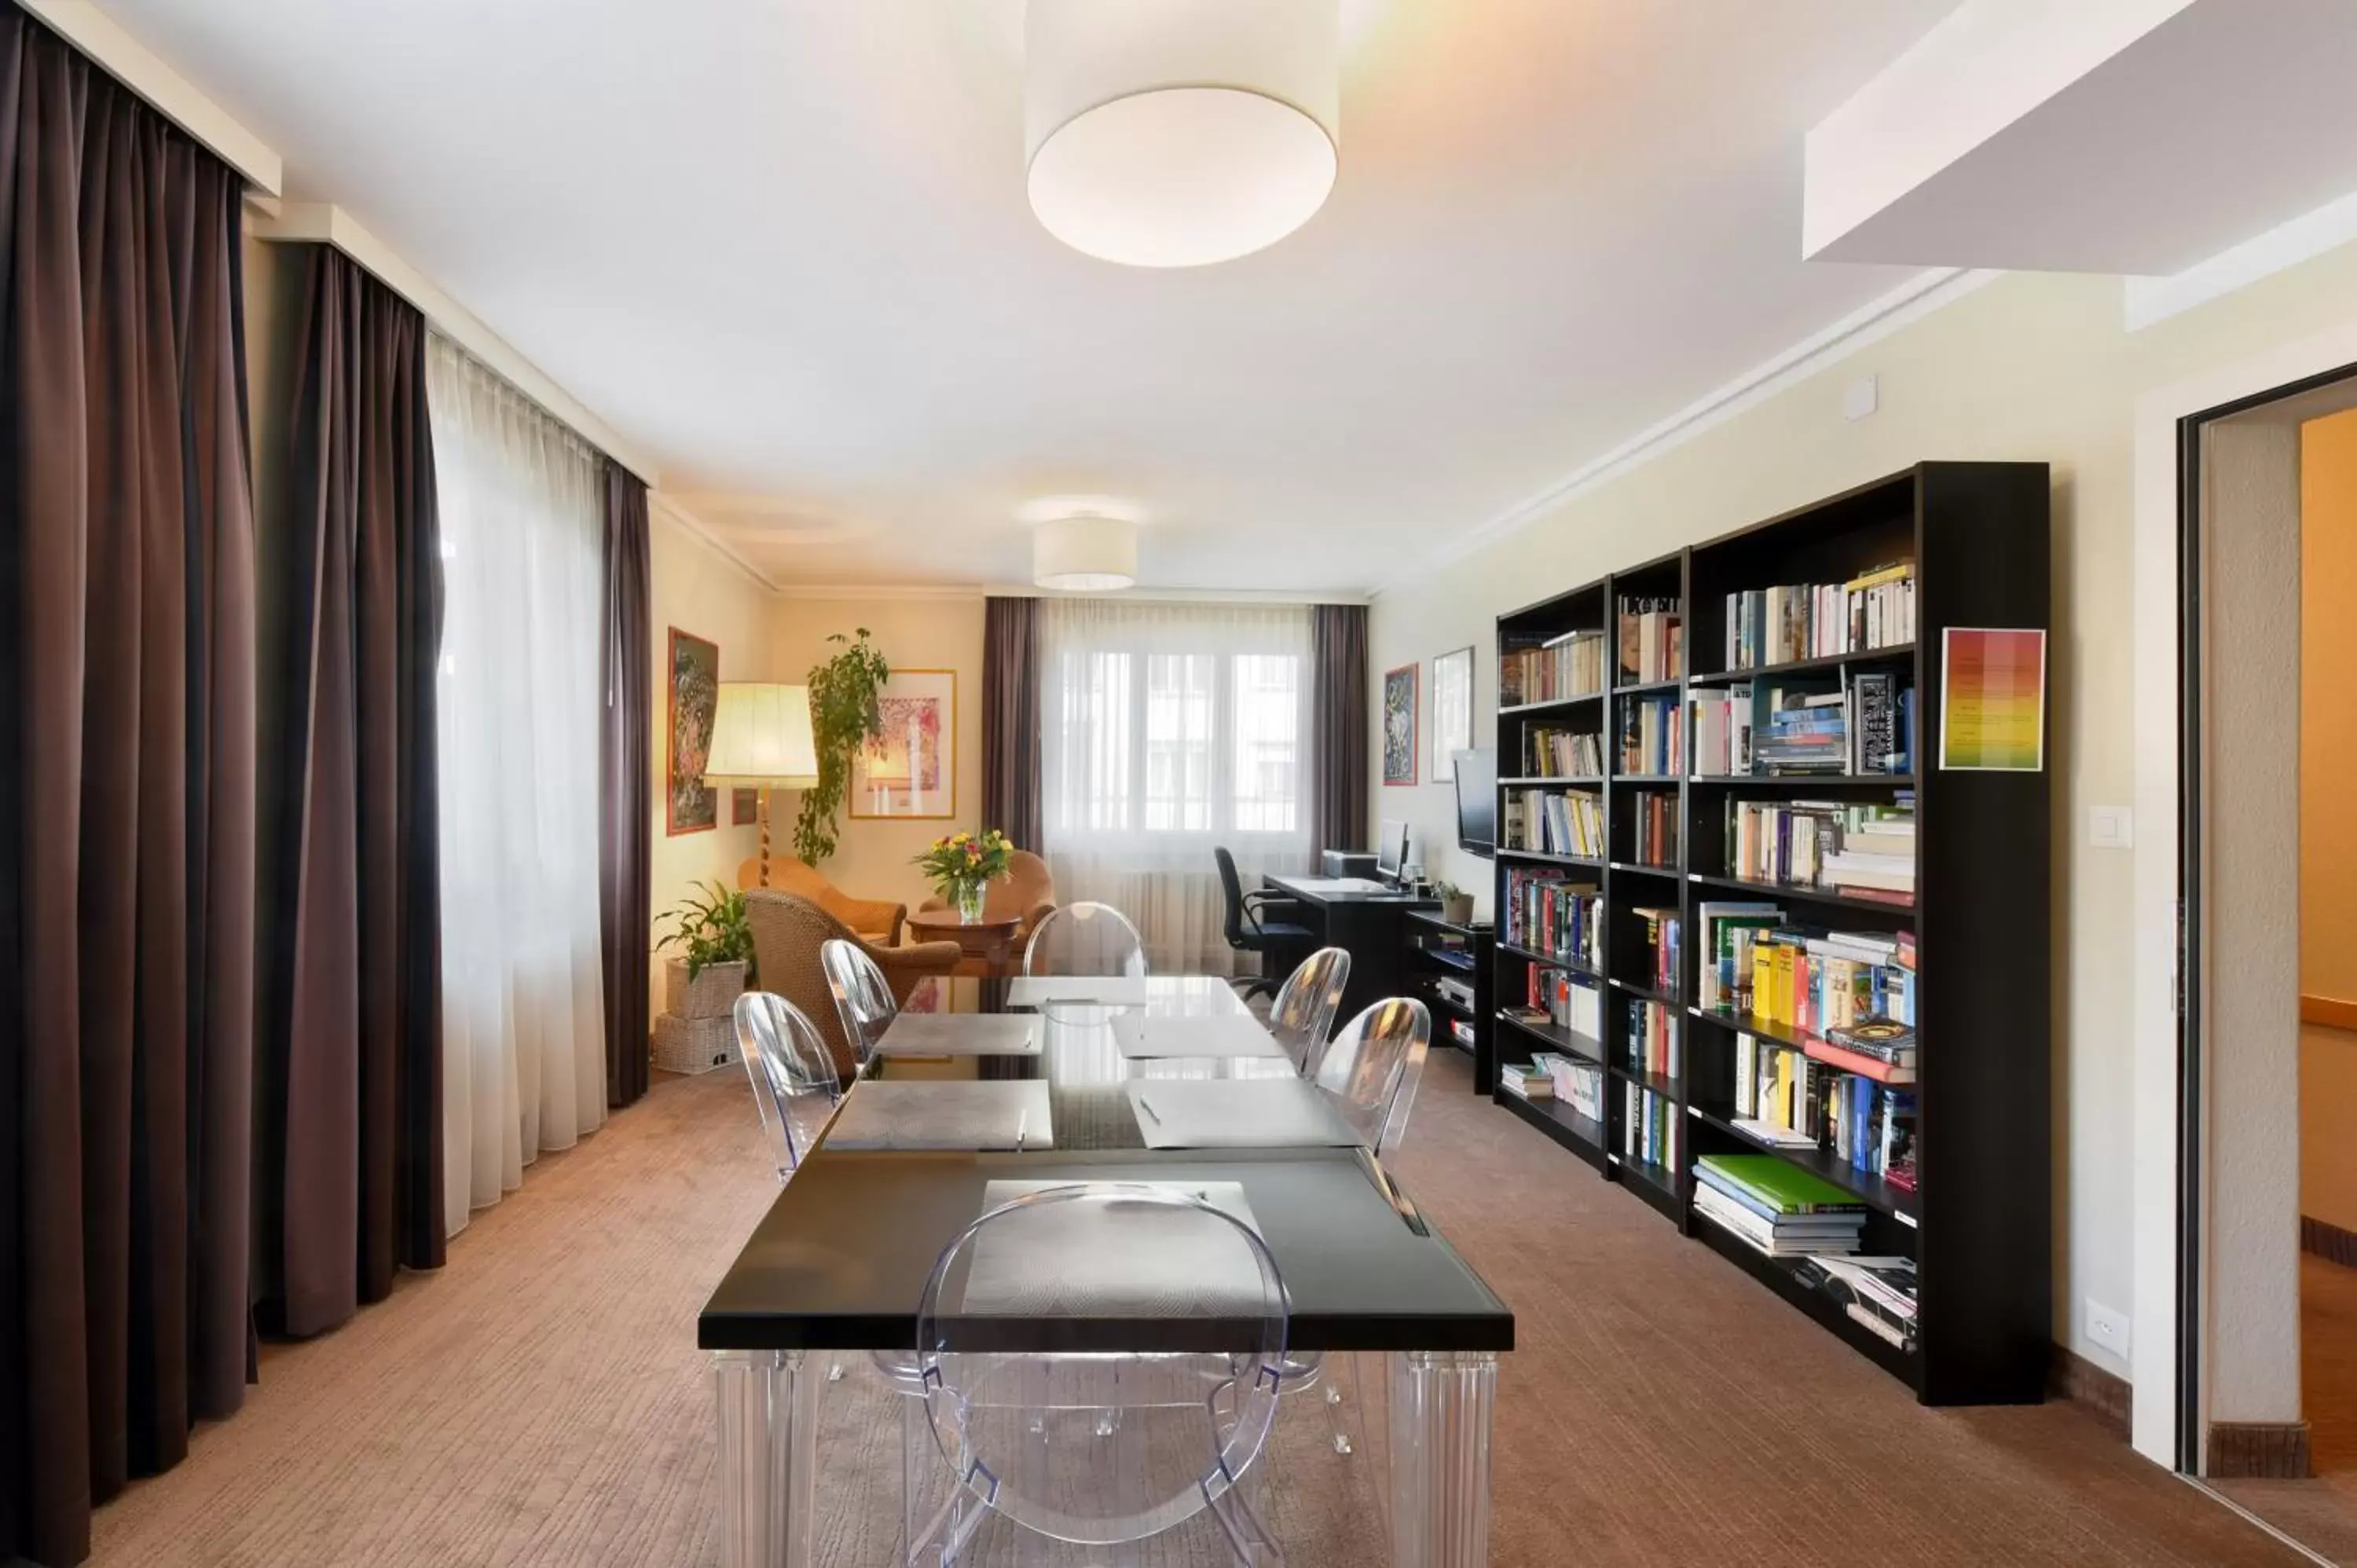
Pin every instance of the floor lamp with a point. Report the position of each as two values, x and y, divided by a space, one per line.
761 736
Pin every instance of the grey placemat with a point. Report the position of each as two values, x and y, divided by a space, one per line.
1143 1261
1275 1114
1118 990
1229 1034
961 1034
882 1113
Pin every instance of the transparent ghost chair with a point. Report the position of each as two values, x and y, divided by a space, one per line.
863 998
1302 1017
1170 1320
1371 1072
794 1085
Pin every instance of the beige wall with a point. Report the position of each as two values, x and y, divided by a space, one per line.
694 587
2327 1154
2328 708
872 858
2029 368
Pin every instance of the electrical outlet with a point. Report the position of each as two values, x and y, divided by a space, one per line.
2111 827
2108 1327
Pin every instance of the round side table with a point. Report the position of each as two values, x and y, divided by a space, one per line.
988 944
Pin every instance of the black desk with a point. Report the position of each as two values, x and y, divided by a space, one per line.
840 1262
1370 927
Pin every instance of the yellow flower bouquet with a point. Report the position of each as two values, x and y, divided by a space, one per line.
963 864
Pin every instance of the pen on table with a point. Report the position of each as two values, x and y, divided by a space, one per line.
1021 1118
1147 1106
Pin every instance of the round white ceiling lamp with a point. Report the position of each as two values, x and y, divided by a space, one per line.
1180 132
1083 544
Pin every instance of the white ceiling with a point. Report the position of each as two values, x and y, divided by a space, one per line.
782 245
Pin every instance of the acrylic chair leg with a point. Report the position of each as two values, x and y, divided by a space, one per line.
768 1406
1442 1405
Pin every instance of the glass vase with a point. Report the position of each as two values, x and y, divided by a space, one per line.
968 899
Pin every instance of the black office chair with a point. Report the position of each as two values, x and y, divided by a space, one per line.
1250 929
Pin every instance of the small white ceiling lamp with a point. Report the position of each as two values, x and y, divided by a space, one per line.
1180 132
1083 544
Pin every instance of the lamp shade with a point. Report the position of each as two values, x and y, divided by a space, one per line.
1089 554
1180 132
762 734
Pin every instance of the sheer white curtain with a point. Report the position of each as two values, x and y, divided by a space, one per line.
1171 729
522 1020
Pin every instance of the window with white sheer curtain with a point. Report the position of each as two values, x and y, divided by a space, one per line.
522 1020
1171 729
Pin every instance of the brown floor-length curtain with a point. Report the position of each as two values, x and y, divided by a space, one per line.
625 876
126 793
351 1027
1338 727
1010 720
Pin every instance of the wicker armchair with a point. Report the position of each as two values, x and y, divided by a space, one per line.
1027 893
787 932
876 920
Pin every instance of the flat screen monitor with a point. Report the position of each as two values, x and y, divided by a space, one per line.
1477 803
1390 848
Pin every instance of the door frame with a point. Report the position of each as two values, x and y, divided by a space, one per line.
2170 1131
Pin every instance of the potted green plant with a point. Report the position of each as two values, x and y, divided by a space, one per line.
1456 903
846 708
962 866
714 953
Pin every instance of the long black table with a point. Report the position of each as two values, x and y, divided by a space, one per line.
840 1260
1372 927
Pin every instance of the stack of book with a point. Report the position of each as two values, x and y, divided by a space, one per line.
1652 645
1553 822
1882 1049
1651 737
1550 753
1654 828
1648 1128
1865 725
1812 982
1802 844
1545 913
1568 666
1775 1209
1878 1292
1530 1083
1805 733
1822 620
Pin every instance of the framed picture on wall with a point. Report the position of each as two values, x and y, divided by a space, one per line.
1399 725
744 807
690 805
1452 711
910 767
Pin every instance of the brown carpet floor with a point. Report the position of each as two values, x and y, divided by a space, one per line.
540 1400
2321 1514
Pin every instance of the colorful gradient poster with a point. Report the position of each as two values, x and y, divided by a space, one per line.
1992 700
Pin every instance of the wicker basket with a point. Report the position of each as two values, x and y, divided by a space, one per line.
694 1045
711 994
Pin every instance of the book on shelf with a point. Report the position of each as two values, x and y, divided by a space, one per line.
1654 828
1775 1238
1822 620
1773 1134
1578 1084
1726 930
1553 822
1851 847
1652 1042
1565 1000
1571 665
1648 1128
1888 1284
1652 738
1807 981
1788 1100
1664 948
1546 913
1768 1186
1529 1082
1549 752
1653 643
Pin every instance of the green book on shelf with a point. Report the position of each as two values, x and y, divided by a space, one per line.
1777 1185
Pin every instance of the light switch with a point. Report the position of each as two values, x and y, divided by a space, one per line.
1861 397
2111 827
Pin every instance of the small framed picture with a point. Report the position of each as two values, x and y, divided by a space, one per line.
690 805
744 807
909 768
1399 725
1452 711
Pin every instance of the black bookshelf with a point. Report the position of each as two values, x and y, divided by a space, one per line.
1977 1222
1441 950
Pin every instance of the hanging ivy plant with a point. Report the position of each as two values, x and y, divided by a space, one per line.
845 693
